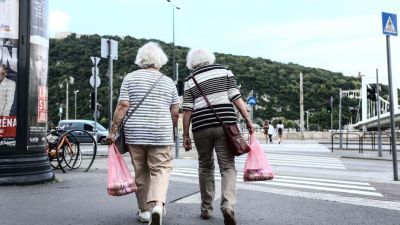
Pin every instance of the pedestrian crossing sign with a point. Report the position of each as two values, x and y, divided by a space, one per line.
389 24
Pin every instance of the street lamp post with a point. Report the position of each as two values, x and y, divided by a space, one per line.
332 114
67 81
173 37
340 120
174 71
308 112
75 93
378 110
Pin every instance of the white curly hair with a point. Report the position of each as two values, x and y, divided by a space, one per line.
151 55
199 57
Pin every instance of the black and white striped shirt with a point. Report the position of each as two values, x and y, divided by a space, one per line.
151 123
219 85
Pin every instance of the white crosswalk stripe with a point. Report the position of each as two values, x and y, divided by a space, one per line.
317 184
307 161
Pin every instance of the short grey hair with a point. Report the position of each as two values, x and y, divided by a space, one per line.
199 57
151 55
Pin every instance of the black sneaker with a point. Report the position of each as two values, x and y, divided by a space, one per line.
229 217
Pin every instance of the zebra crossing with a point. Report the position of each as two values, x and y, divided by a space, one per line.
306 161
292 182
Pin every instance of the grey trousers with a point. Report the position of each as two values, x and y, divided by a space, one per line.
206 141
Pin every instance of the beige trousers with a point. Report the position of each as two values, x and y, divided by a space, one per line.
206 141
153 166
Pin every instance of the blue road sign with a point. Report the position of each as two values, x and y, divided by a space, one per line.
251 100
389 24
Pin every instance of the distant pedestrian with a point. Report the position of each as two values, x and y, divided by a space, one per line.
265 128
219 85
148 145
280 128
271 132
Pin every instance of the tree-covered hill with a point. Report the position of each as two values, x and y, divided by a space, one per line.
275 84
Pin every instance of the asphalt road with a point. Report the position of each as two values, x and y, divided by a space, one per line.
312 186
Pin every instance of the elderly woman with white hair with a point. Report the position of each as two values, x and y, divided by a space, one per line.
219 85
149 130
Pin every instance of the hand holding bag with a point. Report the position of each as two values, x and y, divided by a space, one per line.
120 141
232 133
257 167
120 136
120 181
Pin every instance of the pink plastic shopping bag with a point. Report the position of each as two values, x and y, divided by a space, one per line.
257 167
120 180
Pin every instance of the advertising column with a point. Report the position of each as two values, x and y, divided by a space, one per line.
24 47
8 72
38 63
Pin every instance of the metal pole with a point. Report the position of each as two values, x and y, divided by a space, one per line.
301 107
378 110
252 108
177 126
364 100
110 87
173 40
66 100
95 98
340 120
391 103
331 113
308 127
75 102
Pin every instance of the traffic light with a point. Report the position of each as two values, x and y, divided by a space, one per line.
180 87
371 93
92 101
328 108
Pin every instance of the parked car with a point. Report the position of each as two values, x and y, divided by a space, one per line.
86 125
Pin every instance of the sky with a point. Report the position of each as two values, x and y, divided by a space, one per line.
338 35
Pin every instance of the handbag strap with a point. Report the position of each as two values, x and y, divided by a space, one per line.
141 101
206 99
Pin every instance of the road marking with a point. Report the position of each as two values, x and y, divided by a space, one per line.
329 185
288 177
300 161
310 195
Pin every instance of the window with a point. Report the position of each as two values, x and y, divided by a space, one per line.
88 127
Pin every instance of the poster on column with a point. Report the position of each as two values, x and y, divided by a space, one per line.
9 14
38 66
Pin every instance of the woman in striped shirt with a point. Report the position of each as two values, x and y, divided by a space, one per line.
148 132
219 85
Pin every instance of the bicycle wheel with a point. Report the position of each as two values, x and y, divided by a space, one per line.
72 156
51 149
86 149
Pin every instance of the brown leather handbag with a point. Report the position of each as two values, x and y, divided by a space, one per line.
234 138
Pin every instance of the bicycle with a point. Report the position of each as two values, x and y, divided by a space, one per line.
65 151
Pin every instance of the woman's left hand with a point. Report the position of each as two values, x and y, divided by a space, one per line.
110 138
250 127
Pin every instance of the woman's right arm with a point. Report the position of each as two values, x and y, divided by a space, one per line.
119 114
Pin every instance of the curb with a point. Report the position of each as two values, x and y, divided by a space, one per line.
367 158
